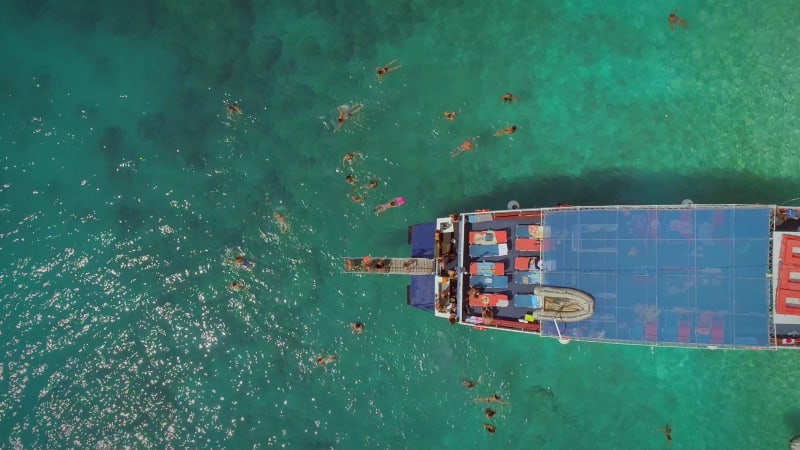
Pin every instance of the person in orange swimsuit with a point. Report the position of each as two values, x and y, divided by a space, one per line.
234 111
508 98
507 130
465 146
674 19
451 116
386 69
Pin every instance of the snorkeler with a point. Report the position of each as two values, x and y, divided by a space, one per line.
507 130
386 69
465 146
674 19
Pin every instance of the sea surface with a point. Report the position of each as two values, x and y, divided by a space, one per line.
126 189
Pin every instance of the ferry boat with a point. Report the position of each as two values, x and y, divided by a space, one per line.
691 275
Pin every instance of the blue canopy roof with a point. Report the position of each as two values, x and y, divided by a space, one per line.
689 276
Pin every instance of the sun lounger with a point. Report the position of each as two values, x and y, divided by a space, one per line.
487 268
651 331
488 237
533 231
527 277
528 245
526 301
496 282
684 331
499 300
480 251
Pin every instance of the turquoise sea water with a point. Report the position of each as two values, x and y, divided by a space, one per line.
124 188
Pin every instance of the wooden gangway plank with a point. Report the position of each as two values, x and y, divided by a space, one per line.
397 266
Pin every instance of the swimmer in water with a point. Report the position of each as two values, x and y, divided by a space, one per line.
674 19
373 183
357 198
508 131
346 111
489 413
357 327
234 111
324 360
350 179
281 221
399 201
508 98
350 158
451 116
235 286
465 146
469 384
240 260
386 69
667 430
490 428
493 399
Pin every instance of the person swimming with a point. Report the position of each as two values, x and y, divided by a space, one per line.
357 327
373 183
350 179
493 399
235 286
240 260
350 158
489 428
465 146
508 98
674 19
233 111
667 430
469 384
508 130
399 201
489 413
280 220
324 360
451 116
386 69
346 111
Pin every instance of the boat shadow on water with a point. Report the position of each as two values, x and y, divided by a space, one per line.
545 404
603 187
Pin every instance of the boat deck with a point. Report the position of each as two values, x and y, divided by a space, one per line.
694 275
